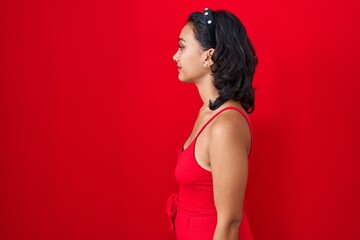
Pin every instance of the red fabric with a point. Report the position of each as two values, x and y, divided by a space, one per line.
191 211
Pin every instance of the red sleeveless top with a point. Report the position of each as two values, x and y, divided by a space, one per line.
195 196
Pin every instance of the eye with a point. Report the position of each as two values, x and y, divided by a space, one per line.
181 47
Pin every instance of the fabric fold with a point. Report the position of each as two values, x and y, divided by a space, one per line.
171 209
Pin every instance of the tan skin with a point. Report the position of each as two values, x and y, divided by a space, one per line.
223 146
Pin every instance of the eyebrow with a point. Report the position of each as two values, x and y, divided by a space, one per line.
181 39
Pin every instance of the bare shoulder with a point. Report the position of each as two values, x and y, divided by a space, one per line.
232 127
230 120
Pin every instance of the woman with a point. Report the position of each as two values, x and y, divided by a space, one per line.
217 56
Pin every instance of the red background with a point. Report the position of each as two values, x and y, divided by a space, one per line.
92 115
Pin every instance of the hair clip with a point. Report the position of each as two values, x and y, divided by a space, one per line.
208 16
210 24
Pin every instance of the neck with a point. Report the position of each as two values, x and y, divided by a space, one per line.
207 92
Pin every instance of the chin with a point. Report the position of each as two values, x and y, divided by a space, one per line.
185 80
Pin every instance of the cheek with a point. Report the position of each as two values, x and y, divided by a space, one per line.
195 62
191 58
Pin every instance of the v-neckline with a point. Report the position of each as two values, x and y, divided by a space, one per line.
182 146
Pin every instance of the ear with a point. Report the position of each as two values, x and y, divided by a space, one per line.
207 57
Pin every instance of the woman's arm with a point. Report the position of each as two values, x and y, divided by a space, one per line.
229 145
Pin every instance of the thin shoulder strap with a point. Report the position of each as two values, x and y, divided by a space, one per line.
237 109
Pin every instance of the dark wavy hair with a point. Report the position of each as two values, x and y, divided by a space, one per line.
234 58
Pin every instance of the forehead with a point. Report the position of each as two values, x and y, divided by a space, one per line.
187 34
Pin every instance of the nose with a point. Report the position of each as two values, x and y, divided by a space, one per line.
175 57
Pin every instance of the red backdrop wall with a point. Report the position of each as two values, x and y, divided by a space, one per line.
92 114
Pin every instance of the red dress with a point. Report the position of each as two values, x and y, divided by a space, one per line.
191 211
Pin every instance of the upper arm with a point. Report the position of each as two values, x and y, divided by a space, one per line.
229 145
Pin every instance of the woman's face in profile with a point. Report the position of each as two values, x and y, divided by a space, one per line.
189 57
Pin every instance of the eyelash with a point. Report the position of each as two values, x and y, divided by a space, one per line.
181 47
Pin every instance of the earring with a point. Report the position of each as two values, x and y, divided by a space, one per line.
207 65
